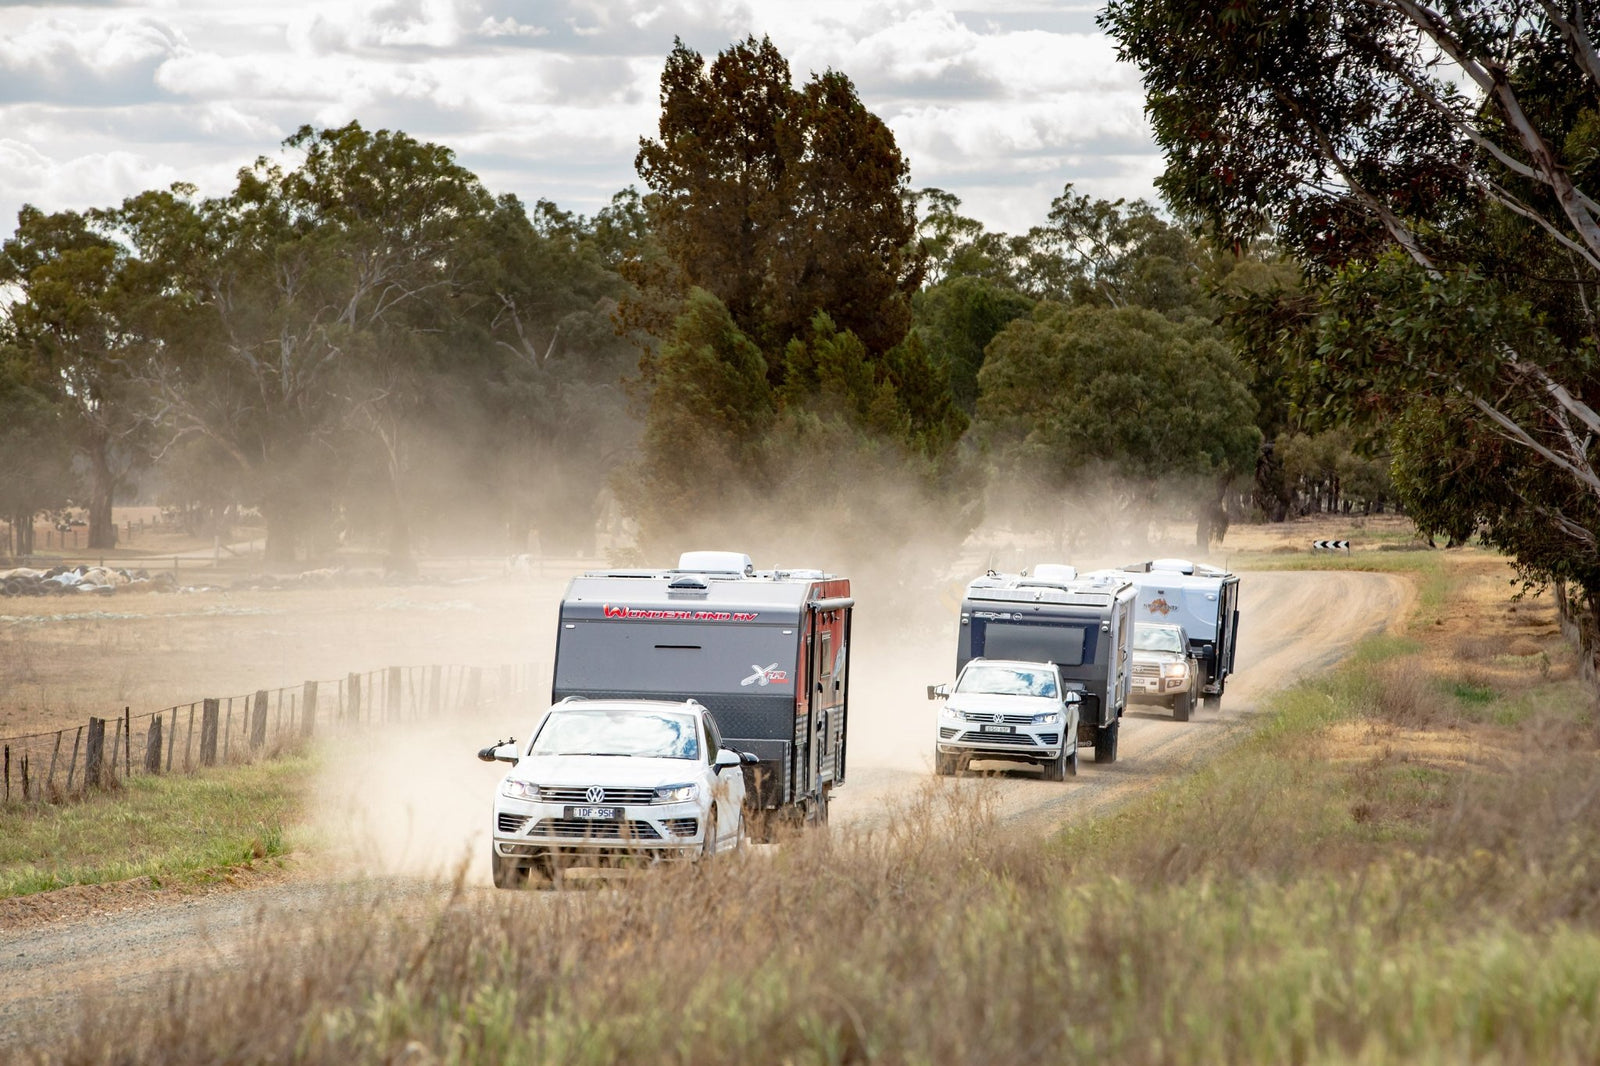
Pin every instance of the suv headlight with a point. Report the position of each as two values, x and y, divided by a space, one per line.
677 793
1174 669
521 790
951 713
1050 718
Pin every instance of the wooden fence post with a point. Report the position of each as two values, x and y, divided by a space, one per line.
116 747
352 706
50 777
258 721
210 711
172 739
127 741
72 767
152 747
94 753
8 773
24 777
308 709
391 710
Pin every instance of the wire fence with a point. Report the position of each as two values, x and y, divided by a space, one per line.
50 766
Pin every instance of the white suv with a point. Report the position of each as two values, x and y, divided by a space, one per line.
1003 709
610 780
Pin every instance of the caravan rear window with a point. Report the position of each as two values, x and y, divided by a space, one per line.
675 657
1036 642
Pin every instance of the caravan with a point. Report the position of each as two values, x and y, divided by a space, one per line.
1082 625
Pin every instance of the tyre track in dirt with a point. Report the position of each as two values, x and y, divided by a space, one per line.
1292 625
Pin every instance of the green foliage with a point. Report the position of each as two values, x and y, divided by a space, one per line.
710 406
1115 254
780 201
37 473
956 320
1068 390
1428 165
783 214
70 321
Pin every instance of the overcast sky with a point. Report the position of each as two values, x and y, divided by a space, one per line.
1001 102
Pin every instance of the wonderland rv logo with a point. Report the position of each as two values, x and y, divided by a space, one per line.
658 614
1161 607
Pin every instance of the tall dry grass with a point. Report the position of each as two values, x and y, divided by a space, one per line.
941 940
1323 893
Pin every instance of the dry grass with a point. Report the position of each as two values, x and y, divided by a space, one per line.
1396 866
64 659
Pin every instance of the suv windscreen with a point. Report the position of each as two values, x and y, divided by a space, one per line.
646 734
986 679
1156 638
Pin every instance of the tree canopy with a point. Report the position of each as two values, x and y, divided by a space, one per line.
1430 165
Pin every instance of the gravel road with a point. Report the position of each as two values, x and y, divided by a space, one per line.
1292 625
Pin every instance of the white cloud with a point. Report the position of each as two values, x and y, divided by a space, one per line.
999 101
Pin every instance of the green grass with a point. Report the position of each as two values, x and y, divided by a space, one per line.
179 828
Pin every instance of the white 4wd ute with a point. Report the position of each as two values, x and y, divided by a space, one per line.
1163 670
610 780
1003 709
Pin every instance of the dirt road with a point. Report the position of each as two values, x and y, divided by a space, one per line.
403 809
1291 625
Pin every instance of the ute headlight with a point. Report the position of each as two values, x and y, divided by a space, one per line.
1050 718
677 793
1174 669
520 790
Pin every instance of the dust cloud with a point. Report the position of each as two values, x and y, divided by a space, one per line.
416 802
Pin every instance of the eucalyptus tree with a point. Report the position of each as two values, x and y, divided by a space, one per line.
69 318
303 307
1124 398
780 201
35 446
1435 165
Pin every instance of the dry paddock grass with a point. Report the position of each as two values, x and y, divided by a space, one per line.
63 659
1399 865
1349 885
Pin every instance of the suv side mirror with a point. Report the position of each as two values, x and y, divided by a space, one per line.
938 692
500 751
727 757
1071 697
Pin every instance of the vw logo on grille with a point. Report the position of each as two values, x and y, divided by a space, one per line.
596 794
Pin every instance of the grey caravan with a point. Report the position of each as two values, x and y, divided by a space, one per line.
766 652
1082 624
1205 601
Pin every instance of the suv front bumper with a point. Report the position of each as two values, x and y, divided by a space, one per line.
1026 742
531 830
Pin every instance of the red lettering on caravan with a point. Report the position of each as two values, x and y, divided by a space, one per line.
658 614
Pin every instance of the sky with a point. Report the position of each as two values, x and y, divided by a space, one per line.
1001 102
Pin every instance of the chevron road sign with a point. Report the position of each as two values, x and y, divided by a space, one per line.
1330 545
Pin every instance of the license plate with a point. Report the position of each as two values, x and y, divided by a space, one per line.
596 814
997 729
